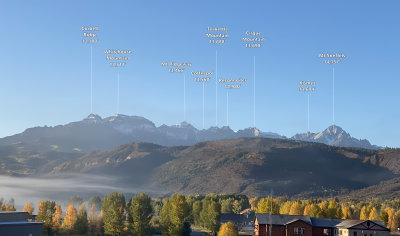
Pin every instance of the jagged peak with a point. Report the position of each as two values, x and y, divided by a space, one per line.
334 129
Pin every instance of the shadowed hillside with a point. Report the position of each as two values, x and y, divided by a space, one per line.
254 166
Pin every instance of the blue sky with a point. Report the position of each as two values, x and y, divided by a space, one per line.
45 69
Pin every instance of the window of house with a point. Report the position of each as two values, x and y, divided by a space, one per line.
355 233
299 230
282 228
340 232
327 231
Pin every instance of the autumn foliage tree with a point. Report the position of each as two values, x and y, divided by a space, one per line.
296 209
70 218
57 219
267 206
28 208
228 229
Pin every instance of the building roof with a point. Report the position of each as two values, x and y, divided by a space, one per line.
14 216
21 223
351 223
281 219
315 222
232 217
325 223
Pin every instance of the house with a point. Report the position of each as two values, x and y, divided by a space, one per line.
282 225
323 226
361 228
295 225
14 223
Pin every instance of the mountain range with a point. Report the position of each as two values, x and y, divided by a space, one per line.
95 133
181 158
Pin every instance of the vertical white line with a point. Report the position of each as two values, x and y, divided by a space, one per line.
118 94
308 112
203 104
91 80
184 97
254 93
216 88
227 107
333 95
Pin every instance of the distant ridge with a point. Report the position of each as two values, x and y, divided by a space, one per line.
97 133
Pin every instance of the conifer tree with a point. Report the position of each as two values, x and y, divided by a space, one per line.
93 220
81 225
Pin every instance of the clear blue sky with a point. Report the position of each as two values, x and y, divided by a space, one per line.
45 69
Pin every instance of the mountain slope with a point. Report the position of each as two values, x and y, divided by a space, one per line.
254 166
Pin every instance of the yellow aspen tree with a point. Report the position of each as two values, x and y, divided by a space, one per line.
391 219
296 209
57 218
346 212
324 207
12 208
69 219
228 229
307 209
28 208
364 214
285 208
373 214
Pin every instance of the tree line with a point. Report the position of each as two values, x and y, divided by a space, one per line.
387 211
141 215
178 214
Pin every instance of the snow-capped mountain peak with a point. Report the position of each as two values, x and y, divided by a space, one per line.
334 135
